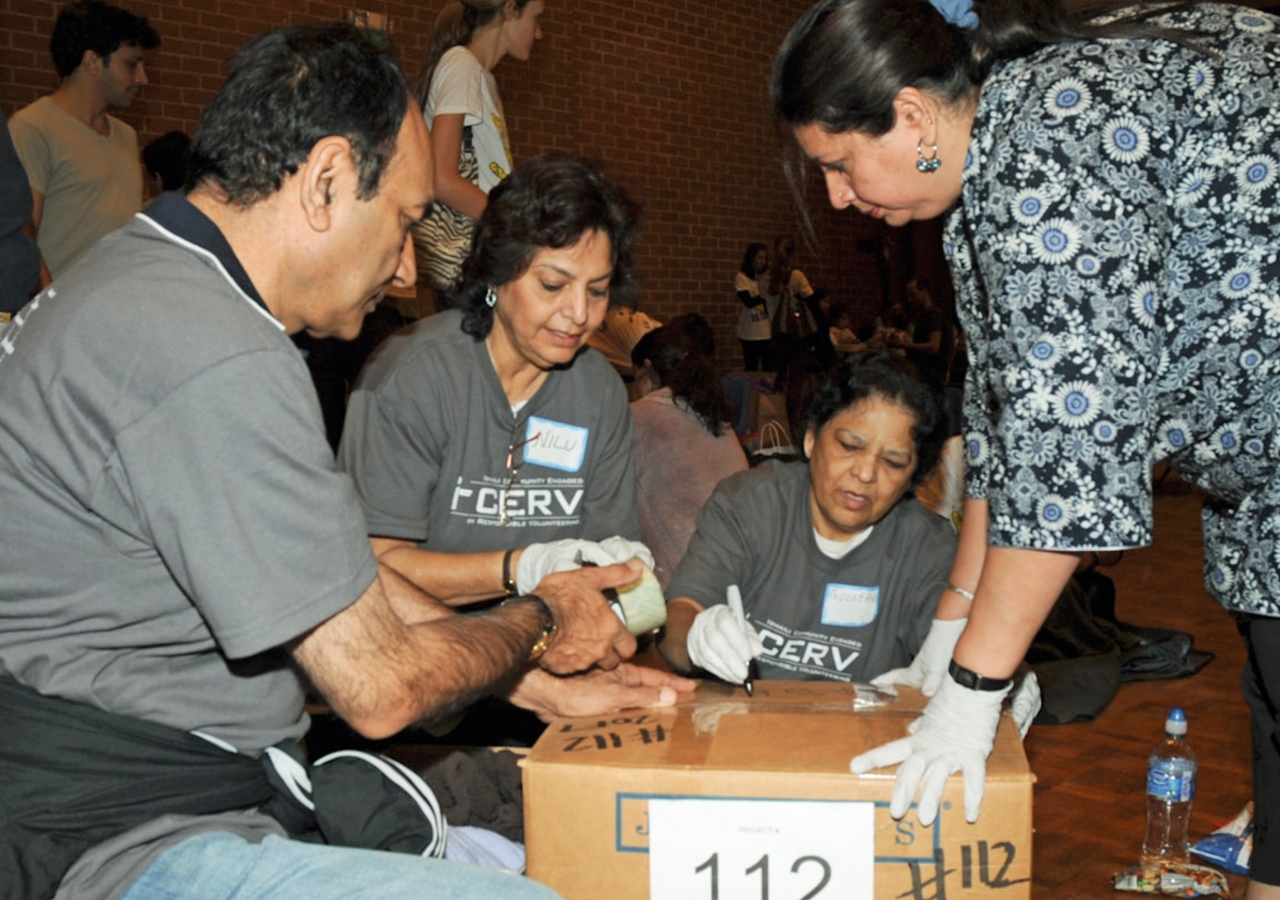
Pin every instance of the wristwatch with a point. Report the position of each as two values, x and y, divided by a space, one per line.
548 624
508 583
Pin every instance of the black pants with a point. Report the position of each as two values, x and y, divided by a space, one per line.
1260 683
754 355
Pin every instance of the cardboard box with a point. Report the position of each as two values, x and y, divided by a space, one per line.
588 782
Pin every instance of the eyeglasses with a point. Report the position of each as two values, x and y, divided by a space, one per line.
513 468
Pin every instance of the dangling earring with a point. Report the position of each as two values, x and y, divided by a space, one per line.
927 164
490 297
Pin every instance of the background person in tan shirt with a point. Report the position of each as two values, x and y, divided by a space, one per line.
82 162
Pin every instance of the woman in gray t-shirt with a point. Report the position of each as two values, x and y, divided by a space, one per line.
838 566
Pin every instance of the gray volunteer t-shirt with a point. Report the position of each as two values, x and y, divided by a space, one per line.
171 511
426 437
847 619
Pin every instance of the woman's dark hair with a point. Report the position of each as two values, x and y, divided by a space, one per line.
549 201
288 89
674 354
166 158
748 266
844 61
784 247
456 22
888 376
699 332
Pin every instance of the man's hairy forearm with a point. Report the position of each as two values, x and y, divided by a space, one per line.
381 673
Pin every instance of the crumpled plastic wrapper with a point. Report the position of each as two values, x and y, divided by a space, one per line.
1174 880
1230 846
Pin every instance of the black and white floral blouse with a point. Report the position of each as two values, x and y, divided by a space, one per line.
1117 266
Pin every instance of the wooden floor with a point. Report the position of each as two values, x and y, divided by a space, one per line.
1089 812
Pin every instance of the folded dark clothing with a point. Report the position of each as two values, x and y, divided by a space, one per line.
480 787
73 775
1077 690
1082 623
1082 652
1148 654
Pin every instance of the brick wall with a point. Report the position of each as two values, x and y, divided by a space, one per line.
669 94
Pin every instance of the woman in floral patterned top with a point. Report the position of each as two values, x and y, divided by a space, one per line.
1113 191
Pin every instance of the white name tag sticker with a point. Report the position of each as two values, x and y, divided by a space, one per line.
556 445
705 849
850 605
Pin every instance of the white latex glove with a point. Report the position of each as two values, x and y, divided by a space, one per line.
930 665
537 561
620 549
723 644
955 734
1024 703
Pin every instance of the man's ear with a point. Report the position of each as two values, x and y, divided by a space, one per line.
91 62
328 170
808 443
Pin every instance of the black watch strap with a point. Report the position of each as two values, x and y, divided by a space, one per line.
508 583
973 681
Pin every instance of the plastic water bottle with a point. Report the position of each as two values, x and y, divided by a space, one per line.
1171 784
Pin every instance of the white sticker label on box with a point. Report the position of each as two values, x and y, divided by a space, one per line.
732 849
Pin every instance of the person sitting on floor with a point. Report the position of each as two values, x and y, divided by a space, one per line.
839 567
488 445
684 444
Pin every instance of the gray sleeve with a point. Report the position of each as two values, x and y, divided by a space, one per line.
394 463
926 573
234 483
610 507
721 550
